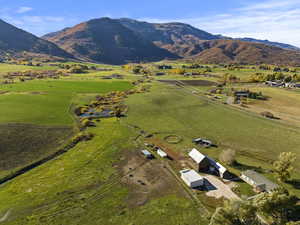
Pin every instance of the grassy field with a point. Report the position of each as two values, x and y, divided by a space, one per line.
283 103
80 186
106 180
4 68
48 102
21 145
170 110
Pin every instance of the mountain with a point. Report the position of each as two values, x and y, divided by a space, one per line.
271 43
14 41
181 38
118 41
235 51
178 38
106 40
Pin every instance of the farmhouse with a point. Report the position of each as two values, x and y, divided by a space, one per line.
192 178
259 182
240 94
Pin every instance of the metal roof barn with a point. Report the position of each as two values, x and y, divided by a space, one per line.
197 156
192 178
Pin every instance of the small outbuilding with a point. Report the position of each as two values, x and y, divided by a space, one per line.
192 178
161 153
147 154
259 182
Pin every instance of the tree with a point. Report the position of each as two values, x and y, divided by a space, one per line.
278 205
227 156
284 166
235 212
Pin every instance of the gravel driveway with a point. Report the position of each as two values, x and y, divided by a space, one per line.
216 188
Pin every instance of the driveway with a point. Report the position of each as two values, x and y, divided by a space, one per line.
216 188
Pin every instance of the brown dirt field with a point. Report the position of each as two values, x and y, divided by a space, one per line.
147 179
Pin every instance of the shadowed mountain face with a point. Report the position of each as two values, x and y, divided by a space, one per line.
108 41
14 40
178 38
119 41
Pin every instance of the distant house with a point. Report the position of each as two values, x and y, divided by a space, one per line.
274 83
259 182
192 178
240 94
147 154
164 67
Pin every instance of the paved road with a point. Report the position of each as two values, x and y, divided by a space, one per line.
218 189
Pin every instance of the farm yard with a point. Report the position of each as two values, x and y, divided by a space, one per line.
164 114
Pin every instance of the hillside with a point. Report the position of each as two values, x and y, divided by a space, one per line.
14 41
126 40
182 39
233 51
108 41
178 38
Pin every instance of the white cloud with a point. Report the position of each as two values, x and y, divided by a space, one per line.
274 20
24 9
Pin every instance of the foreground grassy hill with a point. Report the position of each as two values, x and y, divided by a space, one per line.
80 187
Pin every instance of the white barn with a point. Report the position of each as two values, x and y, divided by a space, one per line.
161 153
197 156
192 178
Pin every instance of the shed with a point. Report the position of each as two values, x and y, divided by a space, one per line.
147 154
259 182
192 178
202 160
161 153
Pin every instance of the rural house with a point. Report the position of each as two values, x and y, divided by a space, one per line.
259 182
192 178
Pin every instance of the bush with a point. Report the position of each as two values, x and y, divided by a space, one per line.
227 156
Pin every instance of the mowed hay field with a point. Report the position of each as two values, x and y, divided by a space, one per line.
5 68
283 103
170 110
87 186
48 102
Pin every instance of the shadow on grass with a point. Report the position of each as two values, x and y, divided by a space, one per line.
243 167
295 183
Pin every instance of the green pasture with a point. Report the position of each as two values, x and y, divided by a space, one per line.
171 110
48 102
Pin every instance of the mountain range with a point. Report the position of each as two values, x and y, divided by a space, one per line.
120 41
14 40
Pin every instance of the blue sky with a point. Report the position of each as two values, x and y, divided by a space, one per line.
276 20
